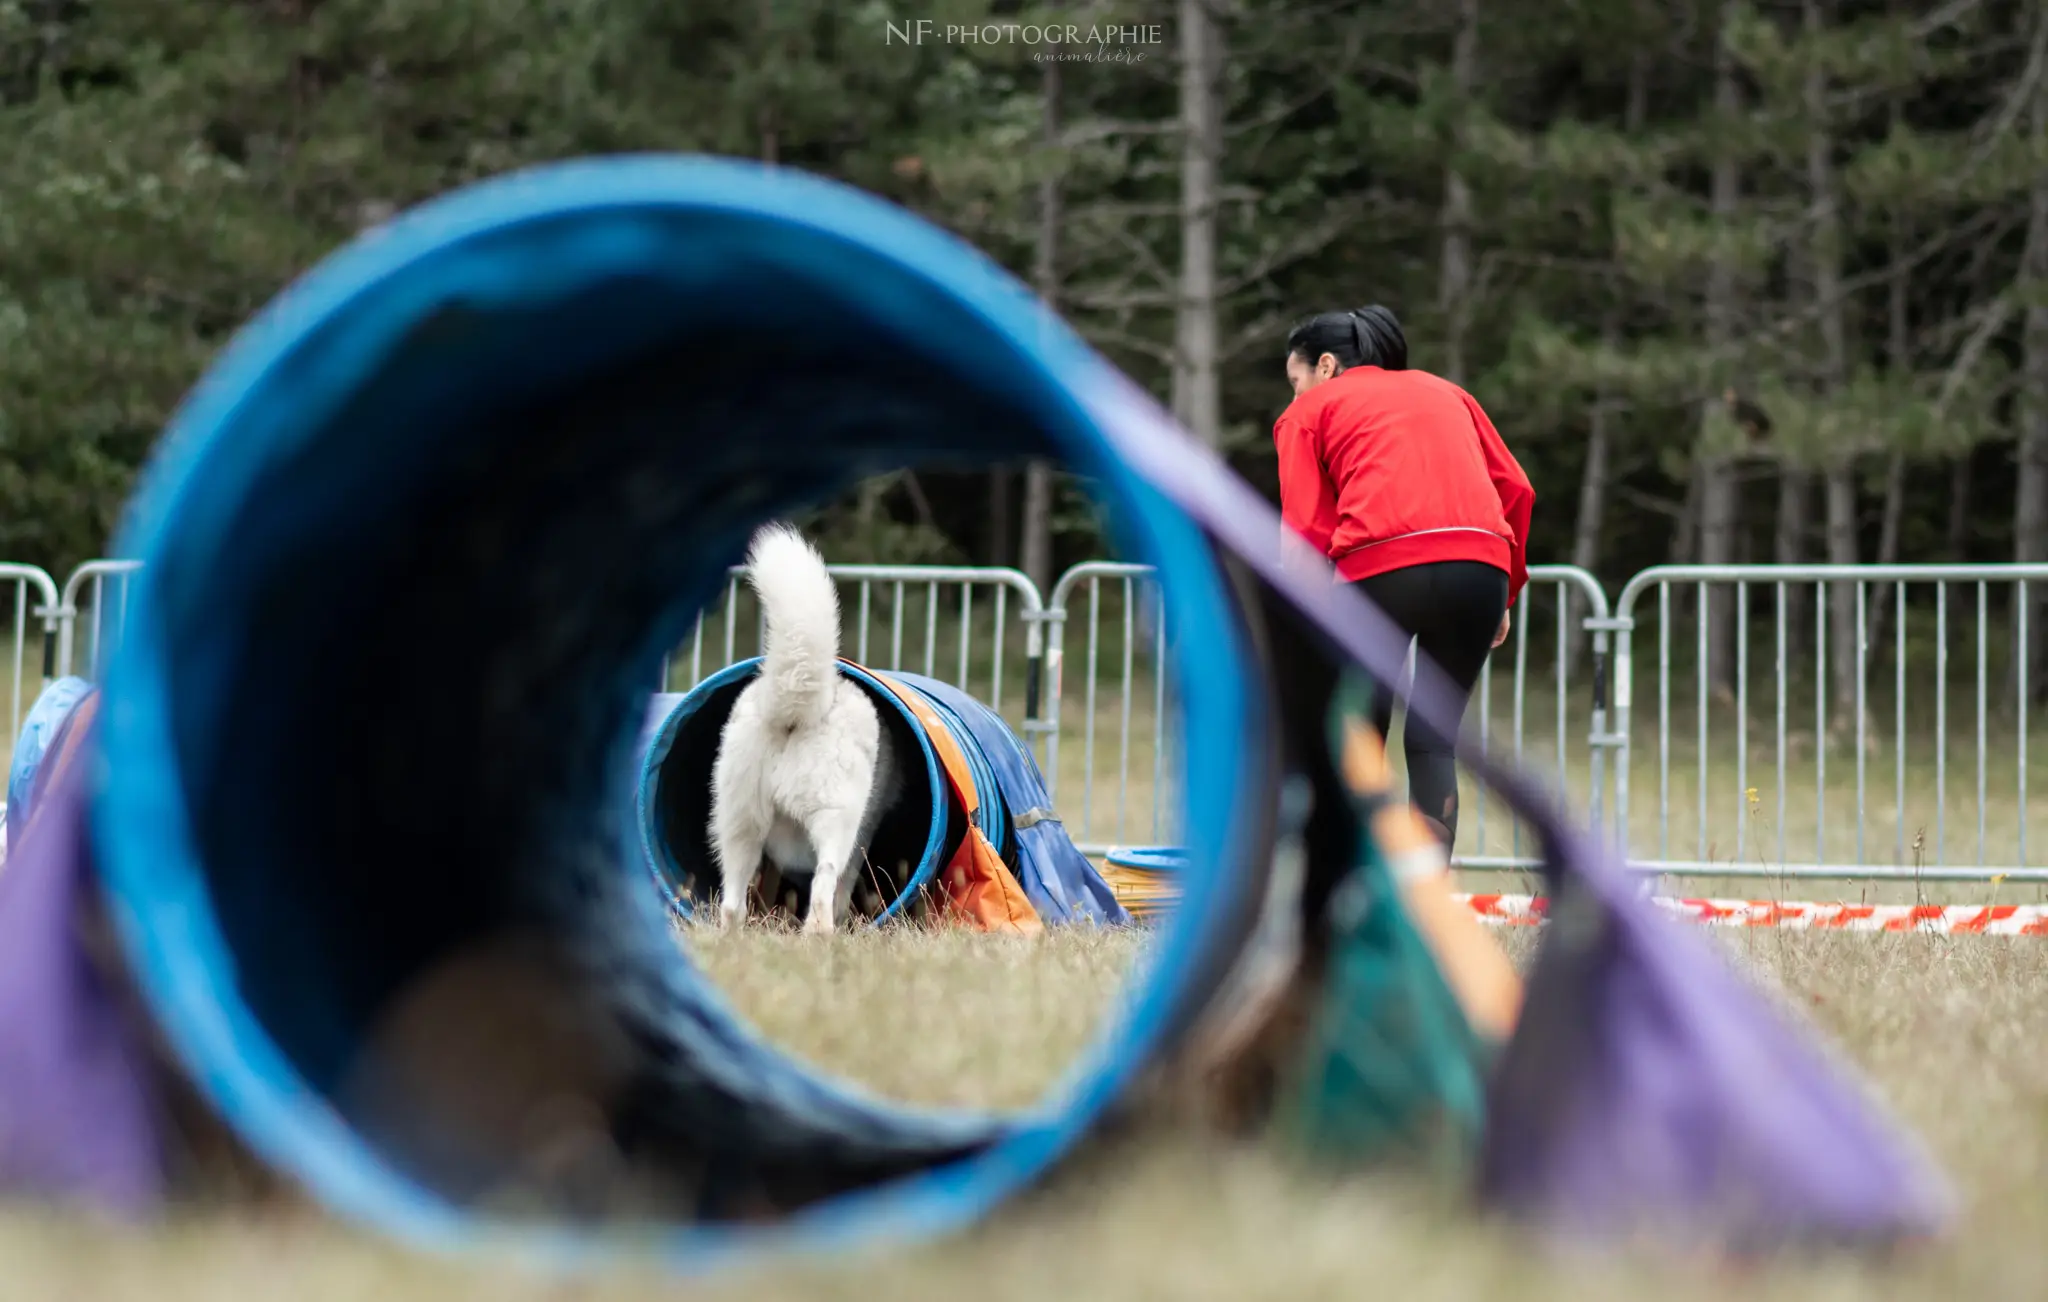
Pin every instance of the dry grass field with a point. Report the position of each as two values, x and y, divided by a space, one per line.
1950 1029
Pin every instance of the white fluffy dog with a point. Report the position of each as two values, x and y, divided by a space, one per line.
804 771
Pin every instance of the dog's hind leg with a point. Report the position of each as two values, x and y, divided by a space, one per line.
740 845
835 837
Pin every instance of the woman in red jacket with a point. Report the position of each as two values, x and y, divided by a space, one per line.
1400 479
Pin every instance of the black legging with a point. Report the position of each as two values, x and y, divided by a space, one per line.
1452 609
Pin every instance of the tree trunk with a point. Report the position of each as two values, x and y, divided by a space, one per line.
1720 516
1898 351
1593 479
1899 365
1839 473
997 546
1719 504
1842 550
1880 601
1454 289
1788 547
1586 530
1890 523
1036 558
1685 535
1961 496
1197 387
1035 550
2030 500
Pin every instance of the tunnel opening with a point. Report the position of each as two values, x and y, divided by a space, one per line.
413 551
912 841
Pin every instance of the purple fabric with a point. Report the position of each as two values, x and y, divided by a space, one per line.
76 1108
1648 1088
1648 1082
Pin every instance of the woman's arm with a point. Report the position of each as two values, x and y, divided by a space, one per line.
1308 504
1517 498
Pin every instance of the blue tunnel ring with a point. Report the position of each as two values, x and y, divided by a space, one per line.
465 272
671 711
1149 858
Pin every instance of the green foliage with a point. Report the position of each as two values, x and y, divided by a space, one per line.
1874 412
170 167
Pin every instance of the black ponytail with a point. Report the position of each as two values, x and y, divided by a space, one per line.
1366 336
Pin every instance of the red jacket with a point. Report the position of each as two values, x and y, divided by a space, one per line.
1381 470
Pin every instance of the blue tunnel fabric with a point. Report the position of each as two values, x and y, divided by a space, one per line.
656 737
1149 858
1013 812
990 815
525 430
1060 881
41 733
665 716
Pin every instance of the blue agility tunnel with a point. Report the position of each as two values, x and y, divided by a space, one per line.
350 794
672 796
672 799
445 505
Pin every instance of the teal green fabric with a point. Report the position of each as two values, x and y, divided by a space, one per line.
1391 1068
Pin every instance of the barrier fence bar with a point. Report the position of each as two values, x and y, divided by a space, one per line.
105 611
1133 587
1748 813
34 628
953 604
1575 751
1574 606
1844 679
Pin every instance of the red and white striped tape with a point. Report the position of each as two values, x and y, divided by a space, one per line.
1940 919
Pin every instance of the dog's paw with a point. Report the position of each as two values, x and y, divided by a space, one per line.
819 924
731 917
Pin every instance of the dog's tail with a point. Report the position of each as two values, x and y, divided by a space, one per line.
801 644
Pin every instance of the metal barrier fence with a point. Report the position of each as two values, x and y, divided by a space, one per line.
1141 692
1574 605
104 617
890 600
1134 641
33 636
1741 821
1110 753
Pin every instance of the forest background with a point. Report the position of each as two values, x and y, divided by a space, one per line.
1738 281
